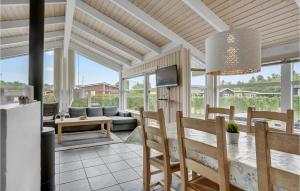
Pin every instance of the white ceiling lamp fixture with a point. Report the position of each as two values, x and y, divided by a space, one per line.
236 51
233 52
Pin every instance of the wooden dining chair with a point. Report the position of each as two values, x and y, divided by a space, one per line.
209 178
268 176
287 117
219 110
160 144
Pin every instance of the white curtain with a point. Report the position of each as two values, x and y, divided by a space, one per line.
57 74
71 75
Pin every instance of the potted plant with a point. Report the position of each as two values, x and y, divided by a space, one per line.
233 132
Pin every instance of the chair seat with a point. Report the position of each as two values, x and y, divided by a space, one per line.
201 183
158 161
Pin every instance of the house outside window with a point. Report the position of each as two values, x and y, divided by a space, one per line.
96 85
259 90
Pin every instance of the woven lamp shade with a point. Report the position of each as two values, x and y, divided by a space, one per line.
233 52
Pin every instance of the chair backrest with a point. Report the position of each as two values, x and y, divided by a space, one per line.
269 176
287 117
219 110
219 153
160 143
50 109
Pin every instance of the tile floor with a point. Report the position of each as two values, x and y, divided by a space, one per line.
114 167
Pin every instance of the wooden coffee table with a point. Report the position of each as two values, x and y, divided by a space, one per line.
68 122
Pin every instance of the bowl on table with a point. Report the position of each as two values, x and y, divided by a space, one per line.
82 117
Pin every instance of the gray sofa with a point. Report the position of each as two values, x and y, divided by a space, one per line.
121 120
49 114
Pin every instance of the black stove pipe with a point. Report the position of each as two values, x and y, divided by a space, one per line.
36 79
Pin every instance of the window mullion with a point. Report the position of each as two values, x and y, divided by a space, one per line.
146 85
286 87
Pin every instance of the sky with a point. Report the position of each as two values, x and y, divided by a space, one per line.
16 69
92 72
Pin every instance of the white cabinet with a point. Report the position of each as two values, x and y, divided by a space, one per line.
20 149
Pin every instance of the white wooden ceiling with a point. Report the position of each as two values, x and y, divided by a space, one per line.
122 33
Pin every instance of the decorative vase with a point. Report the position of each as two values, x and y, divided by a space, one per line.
233 138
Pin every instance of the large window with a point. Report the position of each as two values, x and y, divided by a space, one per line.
13 78
197 94
296 94
134 93
152 93
260 90
48 94
96 85
14 74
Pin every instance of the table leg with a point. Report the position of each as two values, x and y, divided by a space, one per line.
59 134
102 127
108 129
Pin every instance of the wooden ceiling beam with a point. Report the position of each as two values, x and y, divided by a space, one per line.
92 12
95 57
157 26
23 50
26 2
298 3
100 50
106 40
70 10
207 14
280 52
4 25
15 40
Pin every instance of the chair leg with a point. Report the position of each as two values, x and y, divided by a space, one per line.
147 173
194 174
168 180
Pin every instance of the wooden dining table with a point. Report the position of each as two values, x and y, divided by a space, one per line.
241 156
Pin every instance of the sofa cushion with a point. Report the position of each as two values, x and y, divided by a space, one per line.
77 111
50 109
117 120
94 111
110 111
124 114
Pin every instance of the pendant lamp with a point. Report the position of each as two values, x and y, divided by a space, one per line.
236 51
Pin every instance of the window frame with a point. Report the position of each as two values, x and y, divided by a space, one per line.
204 88
293 84
148 90
126 91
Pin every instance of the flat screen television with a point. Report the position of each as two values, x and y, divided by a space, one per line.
167 76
